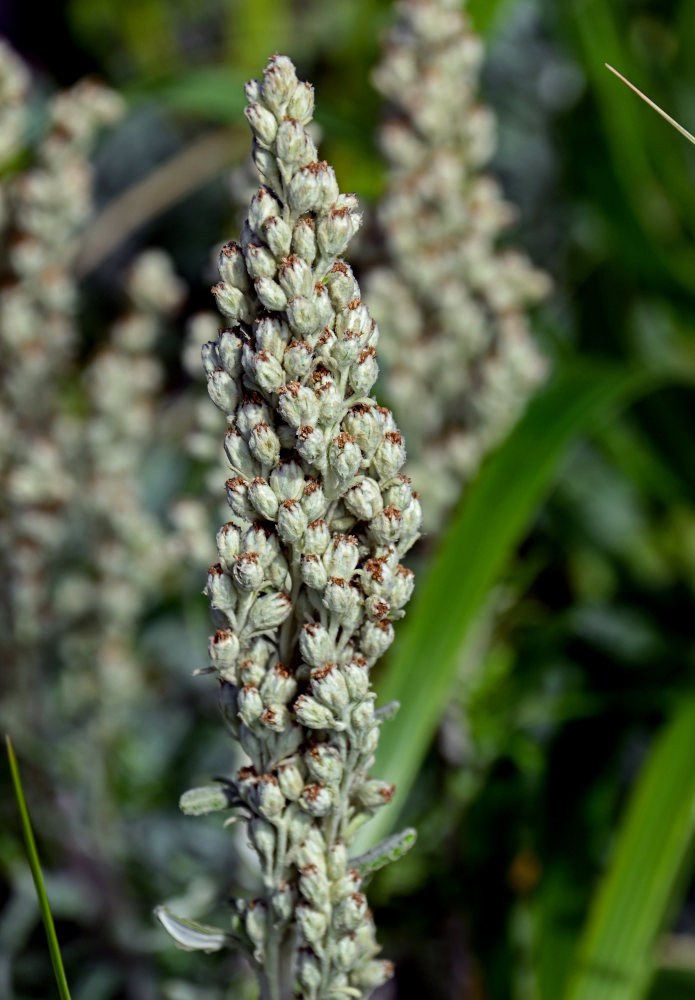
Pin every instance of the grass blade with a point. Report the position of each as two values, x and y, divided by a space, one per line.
648 100
486 529
616 957
35 866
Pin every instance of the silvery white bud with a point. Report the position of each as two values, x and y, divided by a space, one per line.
271 334
323 307
287 480
314 886
228 544
232 302
304 239
292 143
220 589
317 537
350 912
252 89
254 666
278 686
312 714
369 735
341 285
299 825
295 276
290 780
256 924
340 598
364 500
324 764
232 267
223 390
316 800
361 423
375 639
298 405
376 607
292 522
363 374
386 527
223 649
263 205
262 499
276 717
313 501
253 410
328 187
277 235
346 882
263 123
344 456
302 315
356 678
309 972
260 262
374 794
346 350
312 923
353 318
377 576
266 371
402 587
362 715
270 801
250 743
301 103
229 706
229 347
313 572
390 455
411 519
264 444
311 444
315 644
278 84
372 974
399 493
210 357
337 860
238 455
341 556
238 500
298 359
246 782
269 611
278 573
248 572
283 902
346 953
325 345
261 540
250 704
334 231
330 399
329 687
304 191
263 837
267 166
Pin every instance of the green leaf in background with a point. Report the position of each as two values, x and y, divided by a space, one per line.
486 529
616 955
35 866
189 935
391 849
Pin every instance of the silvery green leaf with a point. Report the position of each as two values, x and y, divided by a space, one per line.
388 850
190 935
209 798
387 712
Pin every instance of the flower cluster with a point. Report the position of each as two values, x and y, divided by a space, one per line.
309 579
449 303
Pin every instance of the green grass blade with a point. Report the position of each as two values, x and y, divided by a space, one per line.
486 529
35 866
660 111
616 956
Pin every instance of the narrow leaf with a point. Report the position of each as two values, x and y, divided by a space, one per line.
190 935
617 953
388 850
35 866
486 529
207 799
672 121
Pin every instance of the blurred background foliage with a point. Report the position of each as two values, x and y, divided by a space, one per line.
581 653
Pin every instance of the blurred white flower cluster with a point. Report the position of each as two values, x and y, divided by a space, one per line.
460 362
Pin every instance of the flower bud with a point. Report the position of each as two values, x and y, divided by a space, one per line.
304 239
330 400
316 800
341 285
278 573
364 499
228 544
231 266
229 347
341 556
344 456
223 649
312 923
287 480
263 205
311 444
232 302
292 143
298 359
292 522
374 794
402 587
315 644
350 912
314 886
283 902
295 276
309 972
248 572
328 686
346 882
346 953
313 572
375 639
269 611
376 607
324 764
337 860
304 190
270 294
390 455
223 390
266 371
399 493
264 445
313 500
271 334
334 231
201 801
277 235
386 527
260 262
267 166
250 704
363 714
328 187
370 975
269 800
240 458
263 123
302 315
256 924
253 410
411 520
278 686
263 499
263 837
356 678
279 83
220 589
363 374
317 537
290 780
210 357
312 714
301 103
298 405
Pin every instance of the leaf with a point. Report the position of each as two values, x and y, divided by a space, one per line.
616 955
190 935
486 529
207 799
391 849
660 111
387 712
35 866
